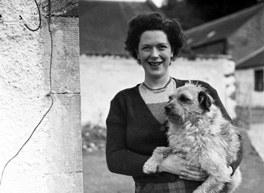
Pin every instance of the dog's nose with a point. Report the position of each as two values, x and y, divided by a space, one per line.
167 109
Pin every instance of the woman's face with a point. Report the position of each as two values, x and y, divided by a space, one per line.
154 53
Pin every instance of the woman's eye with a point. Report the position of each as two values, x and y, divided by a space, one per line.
170 98
162 47
145 48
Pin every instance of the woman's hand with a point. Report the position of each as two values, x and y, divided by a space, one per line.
176 164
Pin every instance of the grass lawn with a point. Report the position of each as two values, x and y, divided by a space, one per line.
97 178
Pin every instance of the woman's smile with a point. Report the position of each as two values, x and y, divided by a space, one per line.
155 64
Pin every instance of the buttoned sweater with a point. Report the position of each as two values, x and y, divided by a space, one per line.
133 133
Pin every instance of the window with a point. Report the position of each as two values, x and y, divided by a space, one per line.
259 80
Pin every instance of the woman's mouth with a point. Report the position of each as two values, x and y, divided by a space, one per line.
154 64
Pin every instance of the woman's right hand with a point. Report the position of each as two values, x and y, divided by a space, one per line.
176 164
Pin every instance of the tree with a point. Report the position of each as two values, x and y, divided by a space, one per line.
196 12
185 13
210 10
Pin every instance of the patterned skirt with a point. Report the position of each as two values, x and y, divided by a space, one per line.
179 186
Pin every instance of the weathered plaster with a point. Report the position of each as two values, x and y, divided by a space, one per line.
51 160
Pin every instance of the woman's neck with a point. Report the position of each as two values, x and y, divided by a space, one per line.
156 83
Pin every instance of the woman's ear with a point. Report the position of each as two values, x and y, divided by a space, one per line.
172 55
136 51
138 58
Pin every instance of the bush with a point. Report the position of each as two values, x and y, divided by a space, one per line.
93 138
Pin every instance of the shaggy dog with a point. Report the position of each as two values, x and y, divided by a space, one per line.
198 130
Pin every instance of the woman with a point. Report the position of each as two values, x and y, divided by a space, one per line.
136 123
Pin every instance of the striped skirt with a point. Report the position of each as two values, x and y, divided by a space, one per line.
179 186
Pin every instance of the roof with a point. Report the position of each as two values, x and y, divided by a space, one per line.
103 25
255 59
221 28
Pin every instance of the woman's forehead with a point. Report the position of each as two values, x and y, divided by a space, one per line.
153 36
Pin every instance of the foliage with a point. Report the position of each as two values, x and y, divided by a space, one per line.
93 137
185 13
192 12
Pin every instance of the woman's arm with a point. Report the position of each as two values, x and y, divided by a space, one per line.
119 159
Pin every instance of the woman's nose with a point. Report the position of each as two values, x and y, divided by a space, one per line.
155 53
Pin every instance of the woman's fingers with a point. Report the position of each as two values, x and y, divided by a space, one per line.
193 173
194 168
192 178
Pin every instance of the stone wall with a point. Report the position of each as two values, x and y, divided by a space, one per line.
40 141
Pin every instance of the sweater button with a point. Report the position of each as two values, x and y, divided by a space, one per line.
172 178
162 128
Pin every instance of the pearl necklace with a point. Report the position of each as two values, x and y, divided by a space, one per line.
158 90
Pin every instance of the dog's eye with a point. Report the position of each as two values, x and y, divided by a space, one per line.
170 98
183 98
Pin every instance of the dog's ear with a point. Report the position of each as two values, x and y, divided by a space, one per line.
204 100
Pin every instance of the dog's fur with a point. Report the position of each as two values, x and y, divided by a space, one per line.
198 130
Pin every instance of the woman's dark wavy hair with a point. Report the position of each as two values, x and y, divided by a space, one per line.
153 21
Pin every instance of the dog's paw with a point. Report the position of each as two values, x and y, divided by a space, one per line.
198 191
150 167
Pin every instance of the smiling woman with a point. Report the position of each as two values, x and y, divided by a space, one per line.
136 123
154 54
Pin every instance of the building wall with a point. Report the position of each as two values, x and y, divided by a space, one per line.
248 38
250 104
245 94
50 161
103 77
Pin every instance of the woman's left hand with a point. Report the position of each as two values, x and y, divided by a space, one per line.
193 173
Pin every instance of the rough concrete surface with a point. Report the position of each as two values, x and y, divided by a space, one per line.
51 159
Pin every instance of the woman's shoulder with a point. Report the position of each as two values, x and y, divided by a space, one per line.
181 82
127 92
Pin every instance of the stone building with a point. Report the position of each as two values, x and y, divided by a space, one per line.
237 35
250 87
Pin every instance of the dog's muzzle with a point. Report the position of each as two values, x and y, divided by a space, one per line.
173 116
167 109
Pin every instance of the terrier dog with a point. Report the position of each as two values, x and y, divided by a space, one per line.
198 130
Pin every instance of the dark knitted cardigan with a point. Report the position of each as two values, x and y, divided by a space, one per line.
133 133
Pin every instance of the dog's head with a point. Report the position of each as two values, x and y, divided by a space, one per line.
188 103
